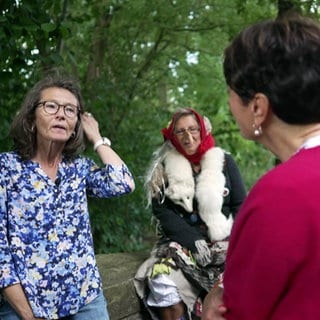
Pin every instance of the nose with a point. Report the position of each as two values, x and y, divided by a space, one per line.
187 136
60 112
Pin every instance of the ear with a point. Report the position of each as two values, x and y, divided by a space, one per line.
260 107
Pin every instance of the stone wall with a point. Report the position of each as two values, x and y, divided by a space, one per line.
117 271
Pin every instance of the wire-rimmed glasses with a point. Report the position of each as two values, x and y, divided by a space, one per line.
192 130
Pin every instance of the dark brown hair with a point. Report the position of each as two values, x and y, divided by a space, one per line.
281 59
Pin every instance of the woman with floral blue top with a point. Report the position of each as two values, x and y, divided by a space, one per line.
48 267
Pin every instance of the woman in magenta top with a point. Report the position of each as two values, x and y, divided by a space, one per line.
272 70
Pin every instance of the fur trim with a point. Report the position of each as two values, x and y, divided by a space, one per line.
209 193
180 180
172 167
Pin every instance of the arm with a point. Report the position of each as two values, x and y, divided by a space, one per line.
14 294
174 226
9 281
235 184
106 154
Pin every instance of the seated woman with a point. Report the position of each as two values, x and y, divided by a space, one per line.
195 190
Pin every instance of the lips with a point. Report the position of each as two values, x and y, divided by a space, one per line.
187 144
59 127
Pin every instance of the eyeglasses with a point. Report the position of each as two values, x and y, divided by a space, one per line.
192 130
51 107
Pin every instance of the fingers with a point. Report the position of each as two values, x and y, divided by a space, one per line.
213 307
87 116
90 126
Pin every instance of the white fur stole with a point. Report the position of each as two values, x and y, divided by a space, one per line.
209 193
208 188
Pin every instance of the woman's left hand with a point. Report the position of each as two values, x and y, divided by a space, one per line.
91 127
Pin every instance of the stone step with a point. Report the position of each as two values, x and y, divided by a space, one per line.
117 271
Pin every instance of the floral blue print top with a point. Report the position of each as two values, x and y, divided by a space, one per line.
45 235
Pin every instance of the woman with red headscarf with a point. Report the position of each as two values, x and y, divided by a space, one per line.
195 189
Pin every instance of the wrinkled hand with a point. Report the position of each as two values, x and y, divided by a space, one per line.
203 255
213 308
90 127
219 252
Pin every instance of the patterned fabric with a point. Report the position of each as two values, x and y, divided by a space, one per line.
202 277
45 236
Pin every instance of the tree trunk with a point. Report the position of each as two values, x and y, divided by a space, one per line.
288 6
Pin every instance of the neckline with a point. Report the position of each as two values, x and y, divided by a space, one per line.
311 142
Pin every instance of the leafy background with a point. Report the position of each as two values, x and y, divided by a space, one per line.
137 61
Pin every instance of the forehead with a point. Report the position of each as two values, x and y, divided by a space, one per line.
186 121
59 95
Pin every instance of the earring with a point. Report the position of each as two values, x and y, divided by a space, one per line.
257 130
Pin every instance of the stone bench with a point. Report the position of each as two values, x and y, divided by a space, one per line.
117 271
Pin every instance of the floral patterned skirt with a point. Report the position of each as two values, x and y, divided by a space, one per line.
192 281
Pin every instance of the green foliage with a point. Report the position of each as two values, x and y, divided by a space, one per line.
137 61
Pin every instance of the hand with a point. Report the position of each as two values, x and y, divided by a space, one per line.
213 308
90 127
203 255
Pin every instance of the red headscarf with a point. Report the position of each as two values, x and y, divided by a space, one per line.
207 141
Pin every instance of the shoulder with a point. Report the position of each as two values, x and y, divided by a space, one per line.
8 159
11 164
290 175
9 155
215 153
289 188
213 159
227 156
229 163
221 156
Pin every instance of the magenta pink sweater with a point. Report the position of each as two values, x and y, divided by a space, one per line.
273 263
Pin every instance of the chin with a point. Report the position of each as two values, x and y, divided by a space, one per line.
190 153
61 139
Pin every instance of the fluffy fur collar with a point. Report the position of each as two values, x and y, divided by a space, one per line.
174 170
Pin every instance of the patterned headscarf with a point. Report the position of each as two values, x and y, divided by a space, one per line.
207 140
